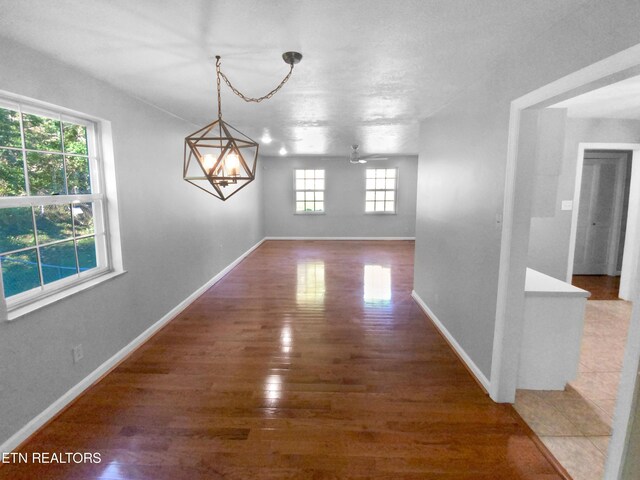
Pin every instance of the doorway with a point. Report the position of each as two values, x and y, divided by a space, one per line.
602 214
603 198
576 423
518 198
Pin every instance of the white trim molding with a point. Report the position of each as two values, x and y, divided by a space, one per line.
340 238
74 392
480 377
16 312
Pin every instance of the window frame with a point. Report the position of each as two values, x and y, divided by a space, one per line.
295 192
106 268
395 191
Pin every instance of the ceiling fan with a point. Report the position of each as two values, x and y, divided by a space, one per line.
355 157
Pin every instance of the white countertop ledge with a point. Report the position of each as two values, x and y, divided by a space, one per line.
538 284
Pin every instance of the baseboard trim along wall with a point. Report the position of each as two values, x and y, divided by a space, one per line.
340 238
471 366
61 403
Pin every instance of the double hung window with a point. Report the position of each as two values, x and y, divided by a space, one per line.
52 206
380 196
309 190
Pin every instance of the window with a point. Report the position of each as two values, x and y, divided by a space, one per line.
52 222
380 196
309 191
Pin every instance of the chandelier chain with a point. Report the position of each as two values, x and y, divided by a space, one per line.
218 86
243 96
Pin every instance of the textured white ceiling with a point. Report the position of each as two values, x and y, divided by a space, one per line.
618 100
371 69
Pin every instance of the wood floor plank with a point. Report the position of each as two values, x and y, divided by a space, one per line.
601 287
308 360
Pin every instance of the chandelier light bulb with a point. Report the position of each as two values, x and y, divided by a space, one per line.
232 164
266 138
283 151
208 161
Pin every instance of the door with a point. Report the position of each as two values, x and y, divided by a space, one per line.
598 214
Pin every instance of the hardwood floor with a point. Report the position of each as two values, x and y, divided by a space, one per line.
602 287
309 360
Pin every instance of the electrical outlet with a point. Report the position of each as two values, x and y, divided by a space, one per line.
78 354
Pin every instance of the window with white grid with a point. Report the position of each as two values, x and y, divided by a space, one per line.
309 186
52 207
380 196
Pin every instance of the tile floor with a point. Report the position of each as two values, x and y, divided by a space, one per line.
575 424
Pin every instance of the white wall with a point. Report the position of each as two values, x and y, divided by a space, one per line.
549 240
174 239
461 170
344 199
631 467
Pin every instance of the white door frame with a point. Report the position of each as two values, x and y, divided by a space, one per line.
628 274
510 296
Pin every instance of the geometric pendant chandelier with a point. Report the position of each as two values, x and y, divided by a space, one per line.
220 159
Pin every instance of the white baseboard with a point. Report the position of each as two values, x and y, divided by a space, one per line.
452 341
340 238
52 410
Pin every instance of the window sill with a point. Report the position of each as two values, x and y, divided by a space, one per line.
24 309
380 213
309 213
